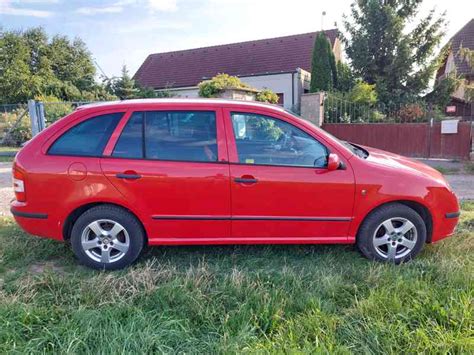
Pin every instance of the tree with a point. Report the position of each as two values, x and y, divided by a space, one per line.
124 86
468 56
323 65
383 51
345 77
32 65
363 93
150 93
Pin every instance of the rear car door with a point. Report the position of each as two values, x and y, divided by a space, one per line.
172 165
281 188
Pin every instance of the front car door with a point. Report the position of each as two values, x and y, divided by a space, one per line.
172 165
281 190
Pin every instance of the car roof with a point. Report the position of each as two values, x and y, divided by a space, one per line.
168 101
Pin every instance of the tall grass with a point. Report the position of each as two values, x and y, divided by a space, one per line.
237 299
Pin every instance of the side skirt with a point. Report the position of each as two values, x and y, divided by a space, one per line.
253 240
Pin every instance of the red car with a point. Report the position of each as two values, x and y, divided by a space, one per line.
113 177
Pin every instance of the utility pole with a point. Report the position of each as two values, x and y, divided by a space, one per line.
322 20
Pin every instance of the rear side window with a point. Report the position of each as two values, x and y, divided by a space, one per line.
169 135
88 138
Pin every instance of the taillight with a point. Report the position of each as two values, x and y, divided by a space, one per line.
19 185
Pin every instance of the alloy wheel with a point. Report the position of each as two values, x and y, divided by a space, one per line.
105 241
395 238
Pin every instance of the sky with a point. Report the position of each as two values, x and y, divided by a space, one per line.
119 32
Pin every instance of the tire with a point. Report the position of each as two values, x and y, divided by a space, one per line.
107 237
392 233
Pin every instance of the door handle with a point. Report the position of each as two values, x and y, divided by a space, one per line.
248 180
128 176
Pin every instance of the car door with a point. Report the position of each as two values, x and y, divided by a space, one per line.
281 189
172 165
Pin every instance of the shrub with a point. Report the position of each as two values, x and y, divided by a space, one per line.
54 109
411 113
221 82
266 95
363 93
211 88
21 133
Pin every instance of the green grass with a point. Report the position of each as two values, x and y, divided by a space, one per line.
4 158
254 299
9 149
446 171
469 168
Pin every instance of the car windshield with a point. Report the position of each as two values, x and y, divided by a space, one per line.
360 152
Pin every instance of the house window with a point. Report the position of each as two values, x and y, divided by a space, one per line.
281 97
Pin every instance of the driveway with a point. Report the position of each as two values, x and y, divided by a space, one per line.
462 184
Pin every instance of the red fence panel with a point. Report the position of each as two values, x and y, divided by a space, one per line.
451 145
410 139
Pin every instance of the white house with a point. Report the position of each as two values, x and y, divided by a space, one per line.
280 64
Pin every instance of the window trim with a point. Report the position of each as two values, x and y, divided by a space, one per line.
52 140
234 141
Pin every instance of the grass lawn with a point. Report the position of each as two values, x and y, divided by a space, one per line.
4 159
9 149
238 299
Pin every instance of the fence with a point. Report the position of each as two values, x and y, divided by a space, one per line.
337 109
19 122
412 130
422 140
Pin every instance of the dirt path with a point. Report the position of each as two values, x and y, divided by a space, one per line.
463 185
6 191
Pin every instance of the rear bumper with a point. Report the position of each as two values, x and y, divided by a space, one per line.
33 215
35 222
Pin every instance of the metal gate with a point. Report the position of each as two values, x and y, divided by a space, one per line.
412 129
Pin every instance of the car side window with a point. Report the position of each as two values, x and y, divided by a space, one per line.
130 142
181 135
262 140
87 138
169 135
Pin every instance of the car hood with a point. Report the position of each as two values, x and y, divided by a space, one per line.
400 163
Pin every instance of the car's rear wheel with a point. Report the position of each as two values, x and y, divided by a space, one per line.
107 237
392 233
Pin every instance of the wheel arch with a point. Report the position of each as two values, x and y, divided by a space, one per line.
418 207
77 212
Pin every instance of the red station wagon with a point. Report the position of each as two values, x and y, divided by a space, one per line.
113 177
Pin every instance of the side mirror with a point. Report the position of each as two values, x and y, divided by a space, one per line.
333 162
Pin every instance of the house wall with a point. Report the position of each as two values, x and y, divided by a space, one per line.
337 50
291 85
278 83
189 92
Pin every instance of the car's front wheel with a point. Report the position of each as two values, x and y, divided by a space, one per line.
392 233
107 237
